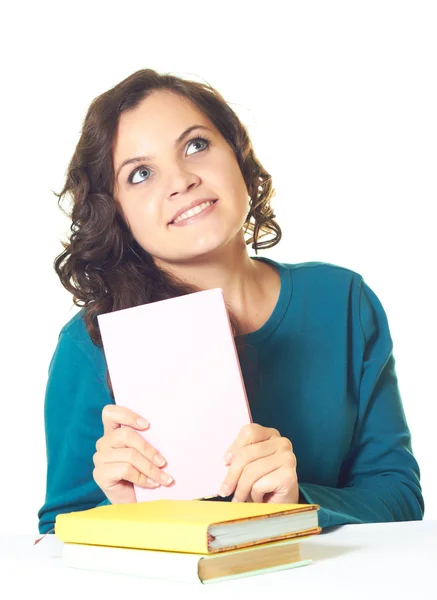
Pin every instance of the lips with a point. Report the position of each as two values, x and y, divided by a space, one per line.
189 207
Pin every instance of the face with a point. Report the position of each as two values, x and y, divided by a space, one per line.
177 168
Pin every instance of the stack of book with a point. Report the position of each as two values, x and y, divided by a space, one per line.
187 540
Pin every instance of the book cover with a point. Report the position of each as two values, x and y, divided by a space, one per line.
175 363
187 526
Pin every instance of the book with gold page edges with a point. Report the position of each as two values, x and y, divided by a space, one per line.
190 526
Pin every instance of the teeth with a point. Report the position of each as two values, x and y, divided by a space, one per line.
193 211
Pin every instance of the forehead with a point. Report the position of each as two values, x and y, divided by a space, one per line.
159 118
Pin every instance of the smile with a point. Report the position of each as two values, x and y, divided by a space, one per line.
193 211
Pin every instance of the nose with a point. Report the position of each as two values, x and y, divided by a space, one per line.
181 181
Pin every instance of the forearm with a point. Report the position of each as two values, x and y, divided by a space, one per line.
75 397
383 499
68 499
105 502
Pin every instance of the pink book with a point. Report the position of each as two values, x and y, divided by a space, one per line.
175 363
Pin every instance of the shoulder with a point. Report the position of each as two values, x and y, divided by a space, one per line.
76 329
321 269
75 334
334 290
315 276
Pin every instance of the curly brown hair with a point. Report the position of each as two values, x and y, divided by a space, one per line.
102 265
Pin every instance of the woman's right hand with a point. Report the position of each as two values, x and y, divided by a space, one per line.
124 458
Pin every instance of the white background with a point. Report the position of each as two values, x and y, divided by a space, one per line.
340 100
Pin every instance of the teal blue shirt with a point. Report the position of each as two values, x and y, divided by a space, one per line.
320 370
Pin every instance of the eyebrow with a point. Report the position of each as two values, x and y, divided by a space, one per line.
137 159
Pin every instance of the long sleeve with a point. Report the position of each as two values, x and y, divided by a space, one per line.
75 397
380 478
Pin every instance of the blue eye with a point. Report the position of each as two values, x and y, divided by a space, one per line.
143 168
139 170
198 140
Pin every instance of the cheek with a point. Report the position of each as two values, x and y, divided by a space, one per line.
232 181
142 218
240 192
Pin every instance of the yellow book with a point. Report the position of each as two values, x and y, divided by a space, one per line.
192 526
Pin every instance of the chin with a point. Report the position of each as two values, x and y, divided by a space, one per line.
194 255
208 246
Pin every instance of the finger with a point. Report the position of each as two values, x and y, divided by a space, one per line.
114 416
265 485
252 473
250 434
242 458
111 475
137 460
254 452
126 437
278 485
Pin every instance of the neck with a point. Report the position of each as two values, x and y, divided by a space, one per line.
231 269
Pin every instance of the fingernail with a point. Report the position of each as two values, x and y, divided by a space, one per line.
159 460
165 478
228 457
152 483
142 422
224 490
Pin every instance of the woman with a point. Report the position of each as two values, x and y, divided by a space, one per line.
166 186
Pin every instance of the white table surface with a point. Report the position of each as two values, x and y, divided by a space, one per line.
373 562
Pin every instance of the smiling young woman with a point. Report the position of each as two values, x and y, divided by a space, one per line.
167 195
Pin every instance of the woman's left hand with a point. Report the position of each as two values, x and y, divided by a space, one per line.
262 467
